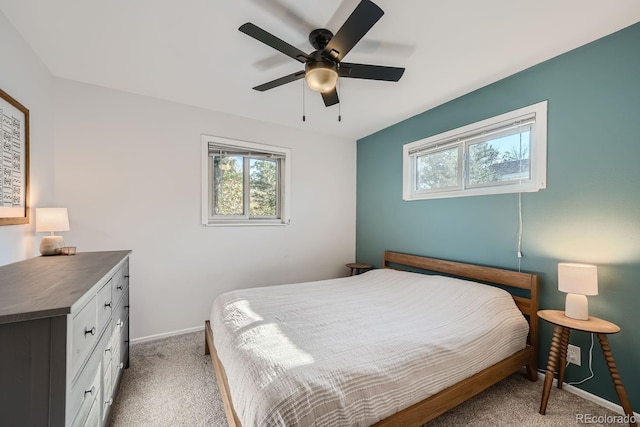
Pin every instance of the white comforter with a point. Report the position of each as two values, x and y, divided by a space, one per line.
355 350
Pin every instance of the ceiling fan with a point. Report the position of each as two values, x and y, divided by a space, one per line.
323 66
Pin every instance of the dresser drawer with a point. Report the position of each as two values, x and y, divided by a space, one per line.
107 353
107 388
88 379
93 420
83 396
125 273
124 345
116 367
122 311
84 335
119 284
104 306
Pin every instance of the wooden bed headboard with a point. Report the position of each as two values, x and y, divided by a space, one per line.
508 278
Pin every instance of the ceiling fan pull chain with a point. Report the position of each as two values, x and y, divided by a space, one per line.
304 117
339 104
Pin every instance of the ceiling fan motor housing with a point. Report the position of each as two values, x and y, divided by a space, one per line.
320 37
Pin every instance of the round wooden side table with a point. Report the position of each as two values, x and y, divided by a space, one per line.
559 343
358 268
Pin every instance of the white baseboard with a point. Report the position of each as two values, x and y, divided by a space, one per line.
167 334
588 396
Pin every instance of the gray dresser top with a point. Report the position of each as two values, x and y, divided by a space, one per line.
48 286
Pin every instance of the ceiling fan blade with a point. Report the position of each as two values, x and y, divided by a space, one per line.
385 48
287 14
341 13
355 27
372 72
330 98
281 81
271 40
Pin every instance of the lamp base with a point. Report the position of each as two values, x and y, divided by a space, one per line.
51 245
576 307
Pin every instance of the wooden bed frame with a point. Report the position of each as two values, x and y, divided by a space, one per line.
428 409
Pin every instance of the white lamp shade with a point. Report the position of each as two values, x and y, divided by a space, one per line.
52 219
321 77
579 279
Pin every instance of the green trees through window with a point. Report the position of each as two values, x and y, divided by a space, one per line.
501 154
438 170
244 183
228 186
233 188
263 187
489 162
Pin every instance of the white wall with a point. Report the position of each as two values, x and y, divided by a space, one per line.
128 169
25 78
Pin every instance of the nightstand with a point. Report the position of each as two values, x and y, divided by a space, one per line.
358 267
559 343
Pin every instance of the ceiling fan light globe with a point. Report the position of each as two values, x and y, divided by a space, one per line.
321 78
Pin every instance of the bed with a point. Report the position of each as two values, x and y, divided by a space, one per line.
374 349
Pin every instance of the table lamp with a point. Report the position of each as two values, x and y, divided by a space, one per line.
577 280
51 220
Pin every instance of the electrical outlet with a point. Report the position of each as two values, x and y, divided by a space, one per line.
573 354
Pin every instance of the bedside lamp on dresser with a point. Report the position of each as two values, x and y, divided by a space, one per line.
51 220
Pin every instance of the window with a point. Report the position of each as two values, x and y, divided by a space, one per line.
244 183
503 154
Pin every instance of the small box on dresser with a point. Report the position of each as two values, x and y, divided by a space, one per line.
64 329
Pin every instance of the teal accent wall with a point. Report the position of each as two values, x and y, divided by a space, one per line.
589 212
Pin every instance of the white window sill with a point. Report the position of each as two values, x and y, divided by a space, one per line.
483 191
246 224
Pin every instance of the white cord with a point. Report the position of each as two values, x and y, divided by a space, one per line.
519 222
519 254
590 365
519 230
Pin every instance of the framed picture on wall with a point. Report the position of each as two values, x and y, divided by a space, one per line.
14 161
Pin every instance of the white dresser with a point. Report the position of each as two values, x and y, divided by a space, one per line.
64 329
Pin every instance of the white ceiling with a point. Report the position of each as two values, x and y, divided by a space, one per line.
191 51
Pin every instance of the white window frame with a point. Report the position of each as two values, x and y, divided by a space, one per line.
534 115
208 219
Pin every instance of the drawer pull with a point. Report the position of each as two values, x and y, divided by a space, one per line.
120 365
119 287
120 323
108 402
107 349
126 277
127 307
91 392
91 331
107 304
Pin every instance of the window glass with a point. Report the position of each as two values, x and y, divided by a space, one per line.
500 159
437 170
501 154
263 187
228 193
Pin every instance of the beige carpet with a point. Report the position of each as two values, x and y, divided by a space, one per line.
171 383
